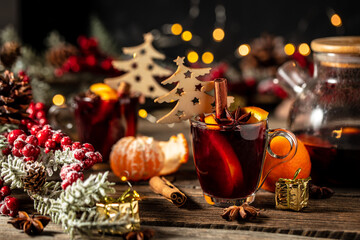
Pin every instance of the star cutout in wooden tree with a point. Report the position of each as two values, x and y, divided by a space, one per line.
179 113
195 101
187 74
180 91
198 87
179 60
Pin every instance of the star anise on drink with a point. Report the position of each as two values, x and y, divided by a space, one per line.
235 117
31 225
245 211
140 235
320 192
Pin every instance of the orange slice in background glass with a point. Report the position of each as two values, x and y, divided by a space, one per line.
104 91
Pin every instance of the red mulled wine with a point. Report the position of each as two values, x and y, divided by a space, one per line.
335 155
228 159
103 122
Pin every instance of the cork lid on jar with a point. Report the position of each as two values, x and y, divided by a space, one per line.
345 45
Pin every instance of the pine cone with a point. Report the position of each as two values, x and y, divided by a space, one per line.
35 176
266 51
58 55
8 53
15 97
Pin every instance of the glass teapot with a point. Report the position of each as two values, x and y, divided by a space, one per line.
325 115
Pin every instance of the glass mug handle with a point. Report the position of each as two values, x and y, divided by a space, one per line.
290 137
62 117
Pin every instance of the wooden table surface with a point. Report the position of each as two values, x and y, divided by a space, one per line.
335 218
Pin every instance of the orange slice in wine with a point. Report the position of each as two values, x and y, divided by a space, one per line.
257 114
233 175
210 119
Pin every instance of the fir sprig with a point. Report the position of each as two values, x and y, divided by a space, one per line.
43 200
7 127
3 142
82 195
89 222
12 171
54 161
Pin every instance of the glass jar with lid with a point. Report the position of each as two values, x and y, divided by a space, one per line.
325 115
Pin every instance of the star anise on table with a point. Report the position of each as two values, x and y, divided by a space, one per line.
145 234
31 225
245 211
234 117
320 192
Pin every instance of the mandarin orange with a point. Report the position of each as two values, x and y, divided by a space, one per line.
281 146
140 158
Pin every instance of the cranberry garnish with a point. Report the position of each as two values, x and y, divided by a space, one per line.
76 145
79 154
50 144
5 191
39 106
32 140
16 152
19 143
57 136
13 135
65 141
29 150
89 146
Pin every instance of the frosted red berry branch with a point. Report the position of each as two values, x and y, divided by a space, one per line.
45 139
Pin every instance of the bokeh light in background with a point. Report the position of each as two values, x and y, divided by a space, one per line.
123 178
289 49
304 49
207 57
186 36
218 34
244 49
336 20
176 29
192 57
142 113
58 100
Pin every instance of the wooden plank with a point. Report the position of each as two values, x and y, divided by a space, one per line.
337 217
200 233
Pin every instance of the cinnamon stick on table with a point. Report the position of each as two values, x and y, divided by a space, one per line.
164 187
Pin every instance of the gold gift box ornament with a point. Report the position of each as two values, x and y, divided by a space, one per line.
125 207
292 193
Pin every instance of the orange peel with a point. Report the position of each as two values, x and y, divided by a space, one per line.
176 152
257 114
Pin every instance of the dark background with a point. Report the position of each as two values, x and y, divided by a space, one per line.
296 21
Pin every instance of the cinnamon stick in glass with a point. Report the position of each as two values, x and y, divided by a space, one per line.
220 97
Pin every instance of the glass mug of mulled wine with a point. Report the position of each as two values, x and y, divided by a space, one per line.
102 116
325 114
229 158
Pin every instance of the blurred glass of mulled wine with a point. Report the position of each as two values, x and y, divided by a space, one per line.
326 112
100 116
102 122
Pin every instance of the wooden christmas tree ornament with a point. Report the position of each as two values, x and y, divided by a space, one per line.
192 94
141 70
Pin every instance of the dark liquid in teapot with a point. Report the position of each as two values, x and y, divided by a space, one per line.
335 155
